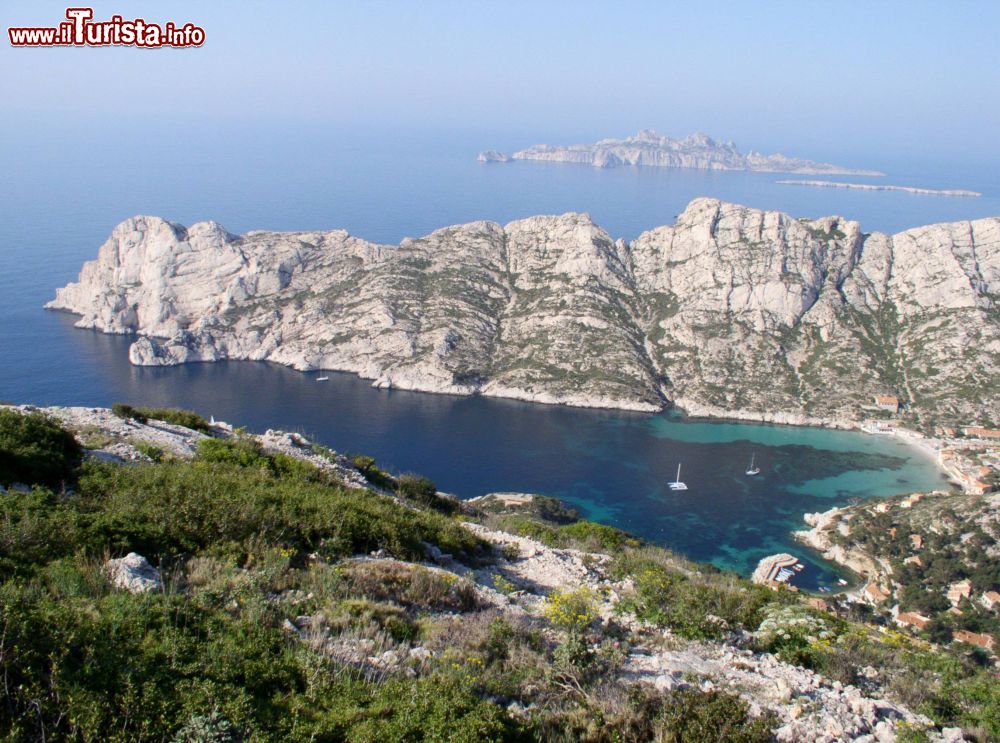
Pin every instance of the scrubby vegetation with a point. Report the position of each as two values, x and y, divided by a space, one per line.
185 418
35 449
554 524
695 604
274 625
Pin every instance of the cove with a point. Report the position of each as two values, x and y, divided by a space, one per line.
613 466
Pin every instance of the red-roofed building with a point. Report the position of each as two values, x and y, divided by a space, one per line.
887 402
985 642
912 619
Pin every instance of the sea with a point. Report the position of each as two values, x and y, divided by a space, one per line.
62 191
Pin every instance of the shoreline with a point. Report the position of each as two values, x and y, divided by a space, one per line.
689 410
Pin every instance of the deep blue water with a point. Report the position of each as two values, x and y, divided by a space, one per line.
59 199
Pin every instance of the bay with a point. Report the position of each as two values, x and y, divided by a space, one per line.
62 192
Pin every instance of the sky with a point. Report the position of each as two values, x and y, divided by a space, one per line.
823 80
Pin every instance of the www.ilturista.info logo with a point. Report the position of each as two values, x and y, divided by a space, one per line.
79 29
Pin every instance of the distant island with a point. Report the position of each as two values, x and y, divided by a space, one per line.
650 149
880 187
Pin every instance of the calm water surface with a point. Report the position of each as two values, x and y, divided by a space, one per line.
59 200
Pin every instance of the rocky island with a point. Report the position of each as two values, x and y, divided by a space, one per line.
884 187
730 312
647 148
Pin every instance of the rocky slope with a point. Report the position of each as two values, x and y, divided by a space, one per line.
648 148
730 311
521 584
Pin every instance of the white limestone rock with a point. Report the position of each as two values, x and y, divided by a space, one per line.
647 148
492 156
730 312
133 573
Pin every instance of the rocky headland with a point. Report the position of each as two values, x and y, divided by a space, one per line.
730 311
647 148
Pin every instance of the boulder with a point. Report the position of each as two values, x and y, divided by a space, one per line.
133 573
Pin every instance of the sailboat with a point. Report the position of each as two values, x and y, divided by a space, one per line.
753 470
677 484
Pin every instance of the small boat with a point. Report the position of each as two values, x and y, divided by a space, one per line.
752 470
677 484
798 567
841 581
322 379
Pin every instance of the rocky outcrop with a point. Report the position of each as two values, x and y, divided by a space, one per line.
647 148
730 310
133 573
820 538
492 156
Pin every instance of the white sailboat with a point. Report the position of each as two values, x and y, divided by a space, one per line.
677 484
752 470
322 379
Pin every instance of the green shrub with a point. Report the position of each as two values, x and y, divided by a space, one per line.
597 536
210 728
152 451
713 717
127 412
422 490
178 508
35 449
794 633
434 708
378 478
34 528
694 605
241 451
185 418
587 535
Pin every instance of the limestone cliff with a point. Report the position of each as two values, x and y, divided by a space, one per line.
729 311
647 148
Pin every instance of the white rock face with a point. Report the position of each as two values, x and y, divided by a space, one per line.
492 156
133 573
699 151
730 311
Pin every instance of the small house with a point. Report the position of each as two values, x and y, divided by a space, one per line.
958 591
874 594
887 402
990 600
980 640
912 619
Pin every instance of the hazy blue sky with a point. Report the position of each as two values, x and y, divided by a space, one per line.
809 78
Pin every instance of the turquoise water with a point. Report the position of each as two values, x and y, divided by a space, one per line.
62 191
613 466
